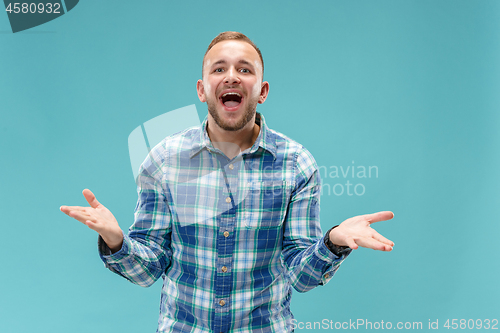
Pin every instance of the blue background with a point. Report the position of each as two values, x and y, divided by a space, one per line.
411 87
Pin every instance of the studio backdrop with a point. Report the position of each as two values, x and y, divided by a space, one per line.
398 101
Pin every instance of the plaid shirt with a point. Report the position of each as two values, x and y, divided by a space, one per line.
230 238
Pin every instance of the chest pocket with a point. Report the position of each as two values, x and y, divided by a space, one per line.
265 204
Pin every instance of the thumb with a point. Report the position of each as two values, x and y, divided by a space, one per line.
90 197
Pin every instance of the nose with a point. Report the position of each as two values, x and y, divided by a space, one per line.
231 76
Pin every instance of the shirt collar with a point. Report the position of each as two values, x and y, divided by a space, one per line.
265 140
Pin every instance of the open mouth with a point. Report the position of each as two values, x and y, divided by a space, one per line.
231 99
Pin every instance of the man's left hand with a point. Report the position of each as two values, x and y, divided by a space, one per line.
356 231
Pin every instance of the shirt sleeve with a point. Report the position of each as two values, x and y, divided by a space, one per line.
145 253
309 261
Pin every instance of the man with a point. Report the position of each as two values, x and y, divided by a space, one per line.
228 213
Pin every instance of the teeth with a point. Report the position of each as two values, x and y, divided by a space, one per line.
231 93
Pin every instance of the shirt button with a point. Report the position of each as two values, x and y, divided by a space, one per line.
224 269
327 276
226 233
231 166
228 199
222 303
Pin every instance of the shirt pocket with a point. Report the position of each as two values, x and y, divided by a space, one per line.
265 204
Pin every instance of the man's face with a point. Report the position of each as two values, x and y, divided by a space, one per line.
232 84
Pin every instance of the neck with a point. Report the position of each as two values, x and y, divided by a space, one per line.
231 143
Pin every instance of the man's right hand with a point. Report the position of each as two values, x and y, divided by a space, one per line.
98 218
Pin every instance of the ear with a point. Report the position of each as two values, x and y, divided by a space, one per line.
264 90
201 91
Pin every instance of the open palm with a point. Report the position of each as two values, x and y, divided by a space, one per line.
97 217
357 231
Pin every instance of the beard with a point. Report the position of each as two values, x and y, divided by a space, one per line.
245 119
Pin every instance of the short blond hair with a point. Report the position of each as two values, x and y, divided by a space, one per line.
233 35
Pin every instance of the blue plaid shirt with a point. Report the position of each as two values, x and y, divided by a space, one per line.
230 238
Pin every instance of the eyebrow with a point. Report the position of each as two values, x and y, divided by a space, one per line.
243 62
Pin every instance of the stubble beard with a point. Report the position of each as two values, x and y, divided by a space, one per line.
247 116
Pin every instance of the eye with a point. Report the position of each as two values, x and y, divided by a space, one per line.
244 70
218 70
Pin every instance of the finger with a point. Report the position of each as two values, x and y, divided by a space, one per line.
64 209
81 216
68 209
79 213
371 243
382 239
377 217
90 197
91 224
351 243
